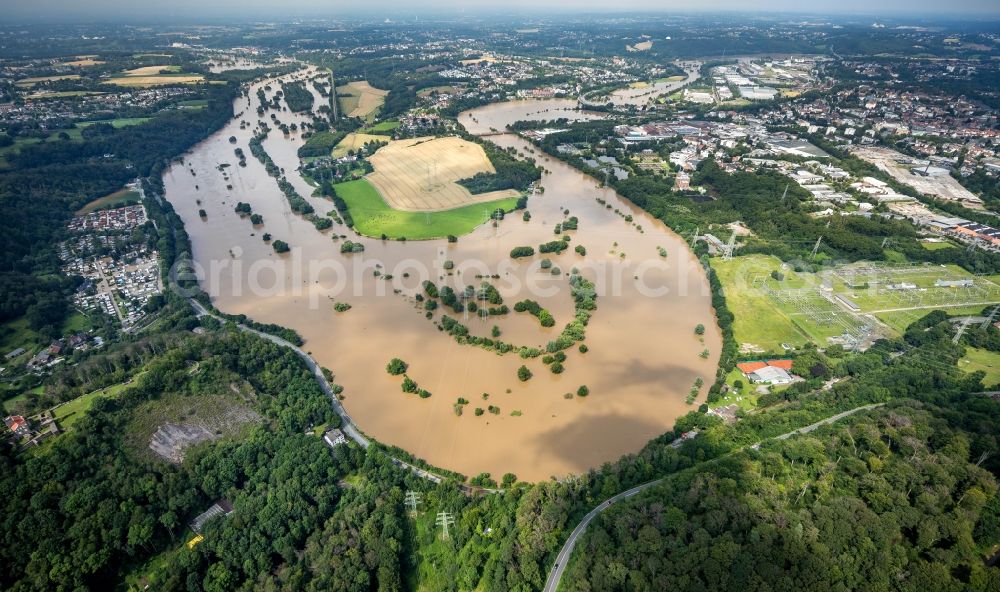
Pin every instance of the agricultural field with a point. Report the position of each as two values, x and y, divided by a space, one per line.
61 94
976 359
154 76
374 217
116 199
29 82
420 174
360 99
354 141
83 62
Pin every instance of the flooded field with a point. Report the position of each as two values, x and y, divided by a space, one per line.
643 354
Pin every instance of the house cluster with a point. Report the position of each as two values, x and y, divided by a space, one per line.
125 218
30 431
53 110
57 351
120 272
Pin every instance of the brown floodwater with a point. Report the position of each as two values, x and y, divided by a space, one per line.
643 354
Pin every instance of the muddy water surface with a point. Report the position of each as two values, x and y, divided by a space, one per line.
643 355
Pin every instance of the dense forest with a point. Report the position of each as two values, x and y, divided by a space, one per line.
44 183
511 173
887 501
297 96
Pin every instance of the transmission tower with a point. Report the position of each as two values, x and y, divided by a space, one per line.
444 520
413 499
815 250
730 247
961 330
694 237
989 319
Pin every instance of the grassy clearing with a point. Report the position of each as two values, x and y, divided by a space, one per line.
976 359
426 92
111 200
117 123
382 126
745 397
901 319
373 216
935 246
17 333
224 413
193 104
70 412
758 320
29 82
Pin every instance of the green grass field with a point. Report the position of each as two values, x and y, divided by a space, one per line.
74 133
17 333
981 359
383 126
936 246
69 413
373 217
901 319
759 321
122 196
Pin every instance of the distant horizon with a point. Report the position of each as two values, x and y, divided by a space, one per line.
235 11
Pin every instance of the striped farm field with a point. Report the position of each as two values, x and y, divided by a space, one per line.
360 99
420 174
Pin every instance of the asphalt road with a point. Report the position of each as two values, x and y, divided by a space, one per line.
556 572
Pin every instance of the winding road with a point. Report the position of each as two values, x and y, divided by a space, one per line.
555 574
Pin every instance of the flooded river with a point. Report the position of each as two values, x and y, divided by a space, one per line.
643 353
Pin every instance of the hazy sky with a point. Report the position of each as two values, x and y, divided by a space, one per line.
193 9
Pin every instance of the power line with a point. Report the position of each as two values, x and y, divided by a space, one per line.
413 499
444 520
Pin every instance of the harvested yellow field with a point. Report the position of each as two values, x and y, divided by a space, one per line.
83 62
154 76
34 81
420 174
353 141
486 58
641 46
360 99
151 70
144 81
